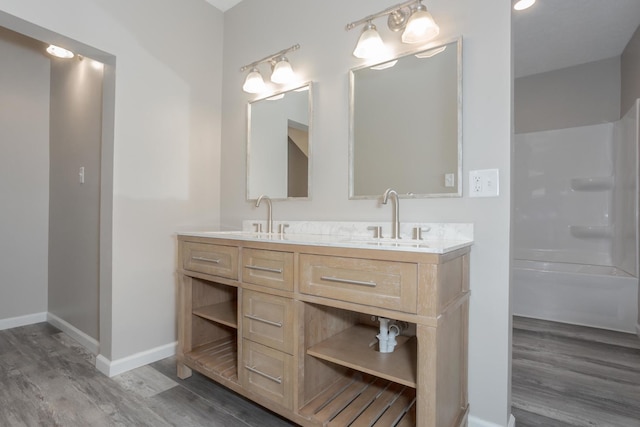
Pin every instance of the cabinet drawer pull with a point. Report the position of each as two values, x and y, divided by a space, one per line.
201 258
348 281
260 319
267 376
270 270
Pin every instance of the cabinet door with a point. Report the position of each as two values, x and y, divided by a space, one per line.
268 268
268 320
267 372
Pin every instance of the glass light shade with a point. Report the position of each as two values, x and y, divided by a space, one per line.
431 52
523 4
421 27
282 72
370 45
254 82
59 52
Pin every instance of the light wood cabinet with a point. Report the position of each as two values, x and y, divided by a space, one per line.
293 328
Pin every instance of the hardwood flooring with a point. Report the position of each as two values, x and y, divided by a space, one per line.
565 375
46 379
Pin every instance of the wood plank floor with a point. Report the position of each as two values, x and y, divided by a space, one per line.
563 376
566 375
46 379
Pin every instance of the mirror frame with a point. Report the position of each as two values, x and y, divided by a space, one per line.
308 84
429 46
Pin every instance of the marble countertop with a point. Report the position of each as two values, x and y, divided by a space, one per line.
438 238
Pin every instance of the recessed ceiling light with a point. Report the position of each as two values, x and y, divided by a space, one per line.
523 4
59 52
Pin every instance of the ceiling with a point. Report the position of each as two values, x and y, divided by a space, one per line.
556 34
223 5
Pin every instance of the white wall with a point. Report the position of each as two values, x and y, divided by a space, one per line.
74 207
166 146
255 28
24 178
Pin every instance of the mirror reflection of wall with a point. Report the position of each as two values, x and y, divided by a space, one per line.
405 125
278 146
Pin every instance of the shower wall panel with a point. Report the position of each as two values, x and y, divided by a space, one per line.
563 199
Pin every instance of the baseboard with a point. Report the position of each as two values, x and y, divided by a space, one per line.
477 422
88 342
112 368
29 319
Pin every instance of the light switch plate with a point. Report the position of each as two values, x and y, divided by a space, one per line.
484 183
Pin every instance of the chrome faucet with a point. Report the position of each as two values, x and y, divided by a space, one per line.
269 216
395 231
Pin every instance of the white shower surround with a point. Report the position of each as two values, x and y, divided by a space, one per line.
575 239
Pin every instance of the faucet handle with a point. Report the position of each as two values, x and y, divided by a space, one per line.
258 227
281 228
417 232
377 231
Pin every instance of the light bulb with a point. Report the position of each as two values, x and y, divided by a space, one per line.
421 26
254 82
370 45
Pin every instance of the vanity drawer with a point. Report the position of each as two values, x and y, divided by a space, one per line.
268 320
268 268
211 259
385 284
267 372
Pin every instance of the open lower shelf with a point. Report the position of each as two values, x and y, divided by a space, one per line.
225 313
363 400
216 358
356 348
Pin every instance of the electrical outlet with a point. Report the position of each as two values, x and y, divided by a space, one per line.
483 183
449 180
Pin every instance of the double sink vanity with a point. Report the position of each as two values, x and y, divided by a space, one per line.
330 323
290 320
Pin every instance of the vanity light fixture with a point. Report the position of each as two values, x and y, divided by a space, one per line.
59 52
411 16
523 4
281 71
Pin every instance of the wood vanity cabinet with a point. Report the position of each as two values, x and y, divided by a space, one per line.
292 327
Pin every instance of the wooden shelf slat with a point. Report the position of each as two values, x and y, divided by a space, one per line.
363 400
352 348
225 313
218 358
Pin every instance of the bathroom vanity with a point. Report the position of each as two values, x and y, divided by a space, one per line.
290 322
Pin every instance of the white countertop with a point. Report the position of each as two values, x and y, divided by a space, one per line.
438 238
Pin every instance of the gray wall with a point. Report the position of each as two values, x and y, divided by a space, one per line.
570 97
630 71
252 31
74 220
24 176
166 145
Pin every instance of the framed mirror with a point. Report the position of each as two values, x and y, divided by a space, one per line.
406 125
279 145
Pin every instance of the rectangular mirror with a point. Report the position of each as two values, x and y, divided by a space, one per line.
279 145
406 125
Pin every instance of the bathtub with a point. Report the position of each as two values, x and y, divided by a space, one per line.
590 295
